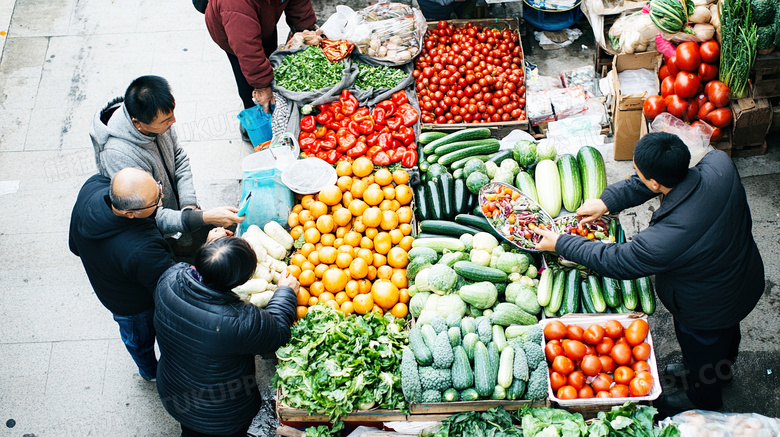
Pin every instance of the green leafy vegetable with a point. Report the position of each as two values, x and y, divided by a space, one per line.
495 422
308 70
629 420
378 77
324 430
545 421
738 49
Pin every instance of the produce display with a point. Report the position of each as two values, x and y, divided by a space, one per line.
514 215
343 130
352 240
378 77
271 245
470 74
308 70
606 360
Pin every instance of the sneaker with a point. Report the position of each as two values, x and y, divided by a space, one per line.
680 374
673 404
148 379
244 134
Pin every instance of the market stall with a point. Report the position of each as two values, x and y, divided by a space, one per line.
418 162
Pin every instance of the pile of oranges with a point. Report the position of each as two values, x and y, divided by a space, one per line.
357 234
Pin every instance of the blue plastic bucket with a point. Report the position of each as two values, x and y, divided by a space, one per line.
271 199
551 19
257 124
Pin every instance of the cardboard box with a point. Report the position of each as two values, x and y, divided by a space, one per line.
752 118
627 117
766 83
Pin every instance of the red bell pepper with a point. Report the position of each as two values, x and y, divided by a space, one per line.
361 114
409 159
408 114
394 123
359 149
321 131
332 156
366 127
306 143
334 125
400 98
329 142
322 154
353 128
349 103
381 158
372 151
338 117
388 106
336 107
405 134
396 154
325 107
385 141
379 116
345 140
372 139
324 117
308 123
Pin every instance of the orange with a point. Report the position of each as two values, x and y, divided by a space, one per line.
347 307
389 220
397 258
404 214
305 216
352 289
335 280
306 249
378 260
371 232
366 243
347 198
307 278
326 296
362 167
297 208
328 255
292 220
317 209
317 289
383 177
297 259
294 271
358 268
338 242
313 301
343 260
325 224
363 303
341 231
403 193
352 238
320 270
308 225
400 310
371 273
372 217
377 310
296 232
302 296
365 286
403 295
327 239
373 196
344 168
406 243
369 180
396 236
386 205
357 207
332 303
342 217
346 248
385 294
312 235
335 208
307 200
367 255
399 280
406 228
306 266
383 243
330 195
358 225
358 189
394 205
389 192
319 245
401 177
384 272
300 311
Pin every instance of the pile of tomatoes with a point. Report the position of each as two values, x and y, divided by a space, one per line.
689 89
470 74
607 361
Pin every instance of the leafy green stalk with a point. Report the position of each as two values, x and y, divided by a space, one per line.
378 77
308 70
738 48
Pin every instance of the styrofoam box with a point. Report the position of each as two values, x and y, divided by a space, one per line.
584 321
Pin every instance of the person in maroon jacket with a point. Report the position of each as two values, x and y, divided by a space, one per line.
246 31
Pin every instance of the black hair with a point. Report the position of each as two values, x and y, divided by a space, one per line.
662 156
225 263
148 96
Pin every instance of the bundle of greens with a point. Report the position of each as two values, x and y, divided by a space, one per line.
336 364
495 422
551 422
378 77
738 47
308 70
629 420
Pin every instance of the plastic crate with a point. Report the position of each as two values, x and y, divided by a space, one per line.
551 19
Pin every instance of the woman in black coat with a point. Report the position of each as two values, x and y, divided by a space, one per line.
208 338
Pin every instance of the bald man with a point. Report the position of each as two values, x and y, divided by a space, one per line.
113 231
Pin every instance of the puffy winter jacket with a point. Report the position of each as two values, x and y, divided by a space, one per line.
208 340
708 271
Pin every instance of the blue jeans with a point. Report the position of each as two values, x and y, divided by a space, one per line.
138 333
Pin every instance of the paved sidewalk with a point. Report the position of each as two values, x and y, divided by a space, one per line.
63 368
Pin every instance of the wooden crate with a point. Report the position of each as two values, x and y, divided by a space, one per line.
749 151
766 82
297 417
752 117
448 408
775 125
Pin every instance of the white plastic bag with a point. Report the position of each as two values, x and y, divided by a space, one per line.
641 81
337 24
388 32
697 423
696 138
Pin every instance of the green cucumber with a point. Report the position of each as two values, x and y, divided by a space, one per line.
444 227
440 243
474 221
500 156
430 235
422 164
525 183
571 186
478 273
630 296
571 299
447 193
462 162
460 145
545 287
559 284
435 200
432 158
457 173
595 293
461 135
585 300
612 229
461 196
646 295
451 157
421 206
611 289
594 177
427 137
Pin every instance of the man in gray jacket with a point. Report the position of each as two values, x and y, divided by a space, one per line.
135 131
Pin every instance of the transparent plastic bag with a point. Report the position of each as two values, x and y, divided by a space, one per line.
698 423
567 102
640 81
390 33
696 138
538 107
633 33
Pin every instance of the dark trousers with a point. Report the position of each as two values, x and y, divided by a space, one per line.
137 332
244 89
433 11
708 356
187 432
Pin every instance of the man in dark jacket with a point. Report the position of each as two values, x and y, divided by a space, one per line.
699 245
209 338
246 31
113 231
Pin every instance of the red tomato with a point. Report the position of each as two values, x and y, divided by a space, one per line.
566 392
718 93
619 391
705 109
671 65
603 394
605 347
590 350
574 332
640 387
586 392
574 349
621 354
602 382
646 375
557 380
640 366
688 58
710 52
636 332
686 85
641 352
554 330
676 105
663 72
667 86
707 72
576 379
717 134
563 364
693 109
591 365
607 364
624 375
552 350
613 329
701 99
652 108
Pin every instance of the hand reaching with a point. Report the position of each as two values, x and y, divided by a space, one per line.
549 238
222 216
290 281
590 210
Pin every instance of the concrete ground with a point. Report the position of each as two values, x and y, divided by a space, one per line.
63 369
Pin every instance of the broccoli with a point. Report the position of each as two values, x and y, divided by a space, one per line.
537 384
485 330
533 335
533 354
410 378
520 368
453 320
442 351
429 396
435 379
438 324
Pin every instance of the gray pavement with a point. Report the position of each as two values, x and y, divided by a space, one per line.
63 369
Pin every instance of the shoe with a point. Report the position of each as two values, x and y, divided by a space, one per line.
679 373
149 379
244 134
672 404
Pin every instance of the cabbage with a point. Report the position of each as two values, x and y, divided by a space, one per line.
504 175
492 168
481 257
472 165
417 303
484 241
451 303
442 279
511 165
466 240
545 150
525 153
